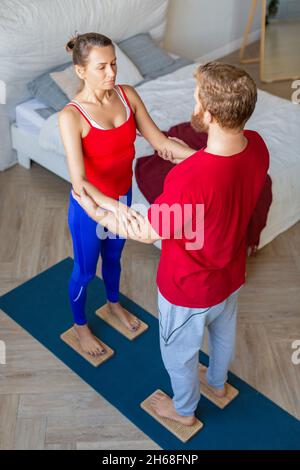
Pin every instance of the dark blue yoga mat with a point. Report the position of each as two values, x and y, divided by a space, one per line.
251 421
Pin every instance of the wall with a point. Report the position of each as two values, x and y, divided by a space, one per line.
208 29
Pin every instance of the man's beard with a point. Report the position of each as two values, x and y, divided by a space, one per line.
197 122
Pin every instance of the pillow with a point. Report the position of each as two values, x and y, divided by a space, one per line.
46 90
45 112
177 64
69 82
145 54
127 72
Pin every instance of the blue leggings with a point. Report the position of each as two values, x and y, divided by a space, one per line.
87 245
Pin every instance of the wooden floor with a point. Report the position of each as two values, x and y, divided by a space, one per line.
282 58
44 405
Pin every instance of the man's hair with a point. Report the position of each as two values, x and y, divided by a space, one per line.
227 92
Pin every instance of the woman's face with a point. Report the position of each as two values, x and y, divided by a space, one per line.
101 69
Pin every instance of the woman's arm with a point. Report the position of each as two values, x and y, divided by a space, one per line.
135 226
150 131
70 130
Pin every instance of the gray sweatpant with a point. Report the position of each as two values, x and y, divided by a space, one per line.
181 334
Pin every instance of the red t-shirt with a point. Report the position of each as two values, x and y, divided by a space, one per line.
213 265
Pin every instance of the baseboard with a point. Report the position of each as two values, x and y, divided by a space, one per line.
228 48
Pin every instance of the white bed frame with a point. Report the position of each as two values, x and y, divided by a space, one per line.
28 148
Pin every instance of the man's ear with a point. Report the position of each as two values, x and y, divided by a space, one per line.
208 117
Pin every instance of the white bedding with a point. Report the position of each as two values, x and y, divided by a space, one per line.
27 118
169 100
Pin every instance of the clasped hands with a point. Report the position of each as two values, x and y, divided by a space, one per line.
117 217
169 155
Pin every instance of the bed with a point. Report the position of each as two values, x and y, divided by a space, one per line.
169 100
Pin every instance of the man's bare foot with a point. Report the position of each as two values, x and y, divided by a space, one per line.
218 392
132 323
163 406
88 342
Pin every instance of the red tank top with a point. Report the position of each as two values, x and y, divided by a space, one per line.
108 153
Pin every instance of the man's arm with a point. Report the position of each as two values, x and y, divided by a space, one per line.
169 155
135 227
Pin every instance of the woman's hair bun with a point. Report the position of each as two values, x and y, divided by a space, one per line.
71 43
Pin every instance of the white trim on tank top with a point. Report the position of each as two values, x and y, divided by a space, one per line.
95 124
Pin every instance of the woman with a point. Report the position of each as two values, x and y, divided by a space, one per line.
98 129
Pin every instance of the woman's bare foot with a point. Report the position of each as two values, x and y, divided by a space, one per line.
132 323
218 392
163 406
88 342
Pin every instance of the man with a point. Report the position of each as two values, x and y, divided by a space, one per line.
201 271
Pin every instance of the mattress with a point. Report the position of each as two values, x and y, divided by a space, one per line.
27 117
169 100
